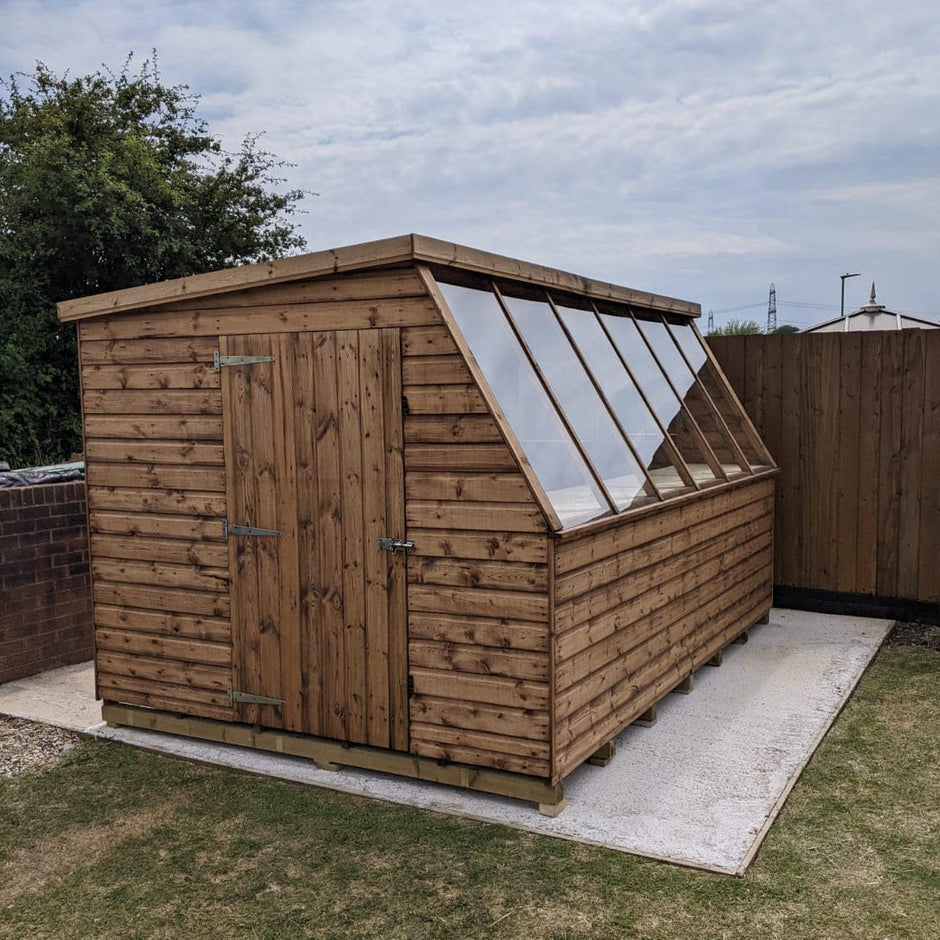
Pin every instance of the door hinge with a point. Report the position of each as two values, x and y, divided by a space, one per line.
396 545
411 685
250 699
219 360
229 529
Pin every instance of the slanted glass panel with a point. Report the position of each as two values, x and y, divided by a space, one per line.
548 447
697 404
578 399
658 393
635 417
730 410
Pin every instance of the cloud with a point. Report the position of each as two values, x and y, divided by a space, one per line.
695 147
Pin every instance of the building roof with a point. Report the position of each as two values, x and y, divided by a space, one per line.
897 320
389 252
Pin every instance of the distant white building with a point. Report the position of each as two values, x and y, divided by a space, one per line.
873 317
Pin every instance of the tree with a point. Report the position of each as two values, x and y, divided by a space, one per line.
787 328
109 181
738 328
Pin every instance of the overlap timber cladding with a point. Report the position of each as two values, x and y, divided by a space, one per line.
156 475
853 421
636 605
478 579
478 593
640 607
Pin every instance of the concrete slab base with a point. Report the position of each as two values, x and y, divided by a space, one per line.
64 697
700 789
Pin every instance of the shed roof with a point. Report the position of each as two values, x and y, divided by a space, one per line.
386 252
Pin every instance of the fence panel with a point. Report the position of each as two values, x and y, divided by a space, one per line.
853 421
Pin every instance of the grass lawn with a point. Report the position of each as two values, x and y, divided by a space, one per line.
119 843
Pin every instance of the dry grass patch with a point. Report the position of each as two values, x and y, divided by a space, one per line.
31 869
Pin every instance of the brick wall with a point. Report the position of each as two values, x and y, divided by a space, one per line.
45 591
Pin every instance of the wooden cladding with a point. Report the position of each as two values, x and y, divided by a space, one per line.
853 420
478 578
637 608
495 642
156 497
315 445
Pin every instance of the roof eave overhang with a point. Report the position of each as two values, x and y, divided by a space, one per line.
402 249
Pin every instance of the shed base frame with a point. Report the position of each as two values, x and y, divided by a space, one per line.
332 755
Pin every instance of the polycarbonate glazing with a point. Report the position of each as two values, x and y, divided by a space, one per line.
542 435
578 399
708 376
635 417
697 404
587 396
651 378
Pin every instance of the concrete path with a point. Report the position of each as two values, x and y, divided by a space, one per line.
700 788
63 697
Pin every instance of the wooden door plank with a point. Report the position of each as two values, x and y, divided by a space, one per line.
372 404
305 433
240 493
265 480
287 627
354 604
397 677
329 525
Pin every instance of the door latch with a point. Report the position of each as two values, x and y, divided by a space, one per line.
396 545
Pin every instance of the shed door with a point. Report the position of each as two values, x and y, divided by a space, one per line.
313 446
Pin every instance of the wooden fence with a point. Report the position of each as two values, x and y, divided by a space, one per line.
853 420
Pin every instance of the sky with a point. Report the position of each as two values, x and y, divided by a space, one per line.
701 149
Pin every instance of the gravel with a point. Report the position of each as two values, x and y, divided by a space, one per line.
925 635
28 745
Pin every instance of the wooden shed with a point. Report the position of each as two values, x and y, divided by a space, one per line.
412 506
